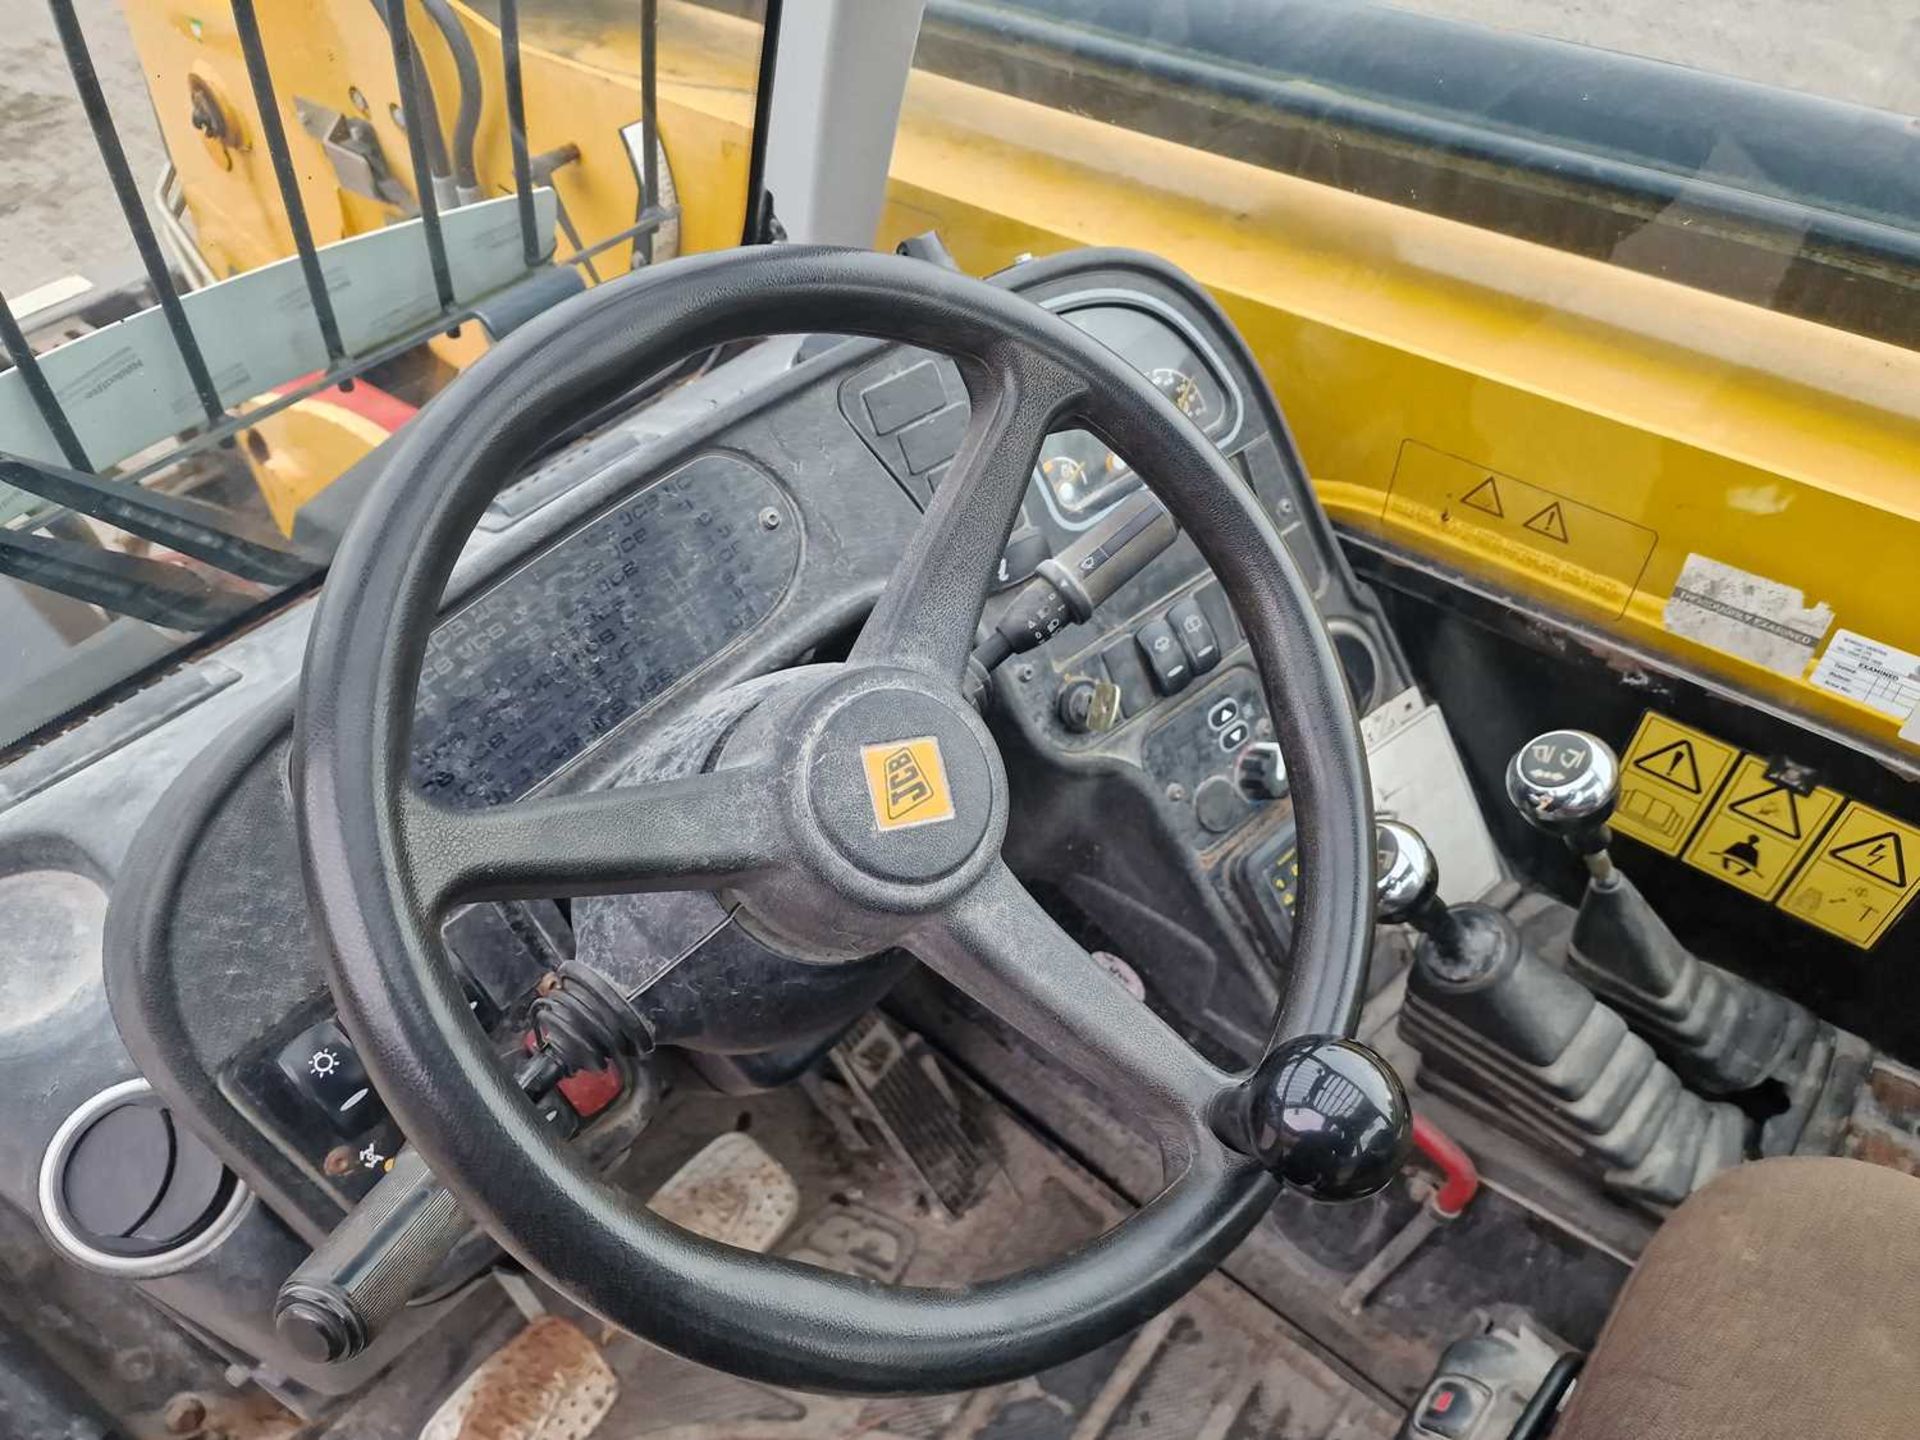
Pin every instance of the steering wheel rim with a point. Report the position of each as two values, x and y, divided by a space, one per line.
379 859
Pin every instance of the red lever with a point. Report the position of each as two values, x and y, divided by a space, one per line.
1460 1180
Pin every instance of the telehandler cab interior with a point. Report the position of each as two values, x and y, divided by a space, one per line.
965 718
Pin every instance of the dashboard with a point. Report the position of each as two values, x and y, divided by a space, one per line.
741 525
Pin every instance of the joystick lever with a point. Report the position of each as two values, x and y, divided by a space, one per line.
1406 887
1566 783
1722 1032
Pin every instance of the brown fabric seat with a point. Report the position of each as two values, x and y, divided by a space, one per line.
1780 1303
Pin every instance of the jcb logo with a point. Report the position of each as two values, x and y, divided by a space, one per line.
907 781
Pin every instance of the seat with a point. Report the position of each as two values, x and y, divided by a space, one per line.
1781 1302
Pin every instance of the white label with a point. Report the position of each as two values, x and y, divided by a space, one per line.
1418 778
1746 615
1880 676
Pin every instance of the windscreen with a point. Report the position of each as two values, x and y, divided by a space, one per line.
240 246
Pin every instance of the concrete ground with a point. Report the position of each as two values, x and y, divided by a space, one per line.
58 216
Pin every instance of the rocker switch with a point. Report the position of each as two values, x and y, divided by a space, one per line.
323 1065
1166 660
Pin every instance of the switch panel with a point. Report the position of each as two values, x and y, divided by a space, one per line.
325 1068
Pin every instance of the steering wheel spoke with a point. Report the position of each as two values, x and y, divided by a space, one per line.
695 832
998 945
927 616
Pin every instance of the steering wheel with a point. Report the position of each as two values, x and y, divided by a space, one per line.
790 825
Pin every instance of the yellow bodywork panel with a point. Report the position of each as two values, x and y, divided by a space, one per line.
580 67
1417 357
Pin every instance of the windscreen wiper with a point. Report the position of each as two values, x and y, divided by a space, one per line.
189 526
151 590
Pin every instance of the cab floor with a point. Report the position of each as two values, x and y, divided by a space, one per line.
1219 1366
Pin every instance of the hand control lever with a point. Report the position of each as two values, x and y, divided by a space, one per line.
1068 587
1499 1028
1722 1032
1566 783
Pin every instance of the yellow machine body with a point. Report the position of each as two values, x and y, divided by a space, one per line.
1536 423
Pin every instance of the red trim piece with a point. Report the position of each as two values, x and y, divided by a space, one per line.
1461 1180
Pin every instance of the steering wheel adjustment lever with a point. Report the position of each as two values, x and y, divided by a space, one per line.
376 1260
1327 1116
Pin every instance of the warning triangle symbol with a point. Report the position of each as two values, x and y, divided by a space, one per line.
1878 855
1550 523
1773 807
1485 496
1674 764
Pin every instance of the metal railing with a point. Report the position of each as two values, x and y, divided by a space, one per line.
121 582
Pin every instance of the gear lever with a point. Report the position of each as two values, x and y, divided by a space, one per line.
1565 783
1502 1031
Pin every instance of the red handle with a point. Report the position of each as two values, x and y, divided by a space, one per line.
1460 1182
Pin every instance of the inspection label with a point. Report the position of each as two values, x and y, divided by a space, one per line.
1865 872
1511 523
1669 775
1759 829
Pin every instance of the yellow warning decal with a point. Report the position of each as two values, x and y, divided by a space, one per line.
1512 524
1864 874
1758 830
1668 776
907 782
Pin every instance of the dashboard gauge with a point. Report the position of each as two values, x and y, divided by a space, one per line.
1066 479
1183 390
1079 477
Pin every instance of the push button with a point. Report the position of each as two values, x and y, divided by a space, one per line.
1450 1409
904 398
1124 665
325 1067
1166 661
1196 635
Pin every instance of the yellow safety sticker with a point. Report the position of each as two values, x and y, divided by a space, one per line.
1758 829
1864 874
1512 524
1668 776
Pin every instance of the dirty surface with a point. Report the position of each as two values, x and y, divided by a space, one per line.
1217 1365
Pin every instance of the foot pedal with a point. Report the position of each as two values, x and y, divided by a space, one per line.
896 1085
733 1191
550 1382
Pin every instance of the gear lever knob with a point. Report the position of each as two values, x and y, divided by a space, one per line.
1406 878
1406 890
1566 783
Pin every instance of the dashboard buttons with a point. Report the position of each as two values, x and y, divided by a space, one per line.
1196 635
904 398
1217 806
1166 659
934 440
1234 736
325 1067
1222 713
1129 672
